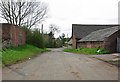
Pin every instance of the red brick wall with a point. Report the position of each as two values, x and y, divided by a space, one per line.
110 43
1 31
6 31
0 36
91 44
73 41
14 34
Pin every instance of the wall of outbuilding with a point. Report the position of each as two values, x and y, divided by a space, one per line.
12 35
90 44
74 42
109 43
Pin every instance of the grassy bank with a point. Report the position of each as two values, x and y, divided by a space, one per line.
87 51
14 55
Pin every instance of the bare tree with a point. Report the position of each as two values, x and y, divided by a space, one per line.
54 28
20 13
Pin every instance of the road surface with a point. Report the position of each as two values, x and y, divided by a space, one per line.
59 65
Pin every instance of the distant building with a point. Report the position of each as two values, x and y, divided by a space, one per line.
80 31
12 35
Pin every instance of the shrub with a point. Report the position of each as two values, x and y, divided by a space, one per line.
88 51
34 37
37 39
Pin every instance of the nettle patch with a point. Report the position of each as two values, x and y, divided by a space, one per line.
87 51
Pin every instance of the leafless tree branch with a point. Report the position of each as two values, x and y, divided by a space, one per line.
23 13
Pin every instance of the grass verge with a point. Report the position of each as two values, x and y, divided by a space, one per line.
92 51
21 53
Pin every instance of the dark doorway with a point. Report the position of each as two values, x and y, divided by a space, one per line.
118 44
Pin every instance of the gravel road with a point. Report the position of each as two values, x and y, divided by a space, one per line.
59 65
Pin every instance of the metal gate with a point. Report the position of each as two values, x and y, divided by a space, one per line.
118 44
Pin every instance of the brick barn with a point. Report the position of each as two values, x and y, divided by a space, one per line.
80 31
105 38
12 35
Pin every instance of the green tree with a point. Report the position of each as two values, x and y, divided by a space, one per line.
34 37
58 42
63 39
37 39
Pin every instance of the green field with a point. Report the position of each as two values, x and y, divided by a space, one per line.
87 51
21 53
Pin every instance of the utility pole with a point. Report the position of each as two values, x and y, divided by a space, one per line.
42 29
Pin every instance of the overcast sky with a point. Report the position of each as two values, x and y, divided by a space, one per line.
64 13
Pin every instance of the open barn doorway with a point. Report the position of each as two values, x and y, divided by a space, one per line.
118 45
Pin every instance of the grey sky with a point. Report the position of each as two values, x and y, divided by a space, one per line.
64 13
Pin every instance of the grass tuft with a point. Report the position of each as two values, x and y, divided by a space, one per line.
14 55
87 51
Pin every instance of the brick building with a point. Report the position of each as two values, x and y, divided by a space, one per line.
105 38
12 35
80 31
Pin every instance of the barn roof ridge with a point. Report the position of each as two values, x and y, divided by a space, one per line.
81 31
99 35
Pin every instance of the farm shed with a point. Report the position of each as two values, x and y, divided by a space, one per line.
80 31
108 39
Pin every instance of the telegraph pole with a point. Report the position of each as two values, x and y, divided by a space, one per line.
42 29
